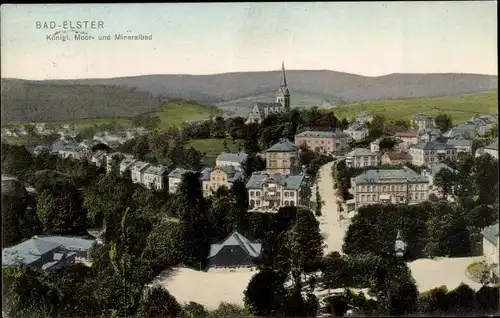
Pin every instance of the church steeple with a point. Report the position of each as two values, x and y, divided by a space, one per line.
283 94
283 75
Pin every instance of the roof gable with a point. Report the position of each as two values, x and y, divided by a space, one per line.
236 239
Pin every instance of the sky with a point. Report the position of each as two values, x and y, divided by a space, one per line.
364 38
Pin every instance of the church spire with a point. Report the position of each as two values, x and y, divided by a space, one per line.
283 75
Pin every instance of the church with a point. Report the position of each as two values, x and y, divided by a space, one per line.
282 104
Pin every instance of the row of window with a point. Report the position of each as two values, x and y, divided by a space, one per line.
400 187
286 203
373 197
286 194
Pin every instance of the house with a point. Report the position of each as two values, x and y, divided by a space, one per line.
175 178
137 169
57 146
431 172
98 158
271 191
231 159
134 132
491 149
490 250
13 187
466 130
126 164
484 123
214 178
428 134
283 157
461 145
357 131
40 127
9 132
364 117
282 104
401 186
112 139
41 150
432 152
45 253
71 150
409 138
422 121
118 156
361 157
236 251
323 141
375 145
395 158
153 177
399 144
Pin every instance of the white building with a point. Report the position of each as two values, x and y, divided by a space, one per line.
126 164
402 186
432 152
98 158
491 149
137 170
364 117
461 145
422 121
357 131
361 157
175 178
430 173
118 156
272 191
490 249
153 177
409 138
231 159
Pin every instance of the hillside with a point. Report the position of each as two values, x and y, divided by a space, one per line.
238 91
26 101
460 108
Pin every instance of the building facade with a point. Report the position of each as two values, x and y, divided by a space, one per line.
394 158
357 131
136 171
490 250
231 159
283 157
175 178
214 178
361 157
422 121
432 152
401 186
272 191
154 177
409 138
461 145
491 149
329 142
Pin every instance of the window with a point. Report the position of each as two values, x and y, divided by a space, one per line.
257 202
422 195
374 197
292 194
392 188
363 188
410 187
286 194
287 203
362 197
292 203
384 188
411 196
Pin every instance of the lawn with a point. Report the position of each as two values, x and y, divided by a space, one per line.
212 148
460 108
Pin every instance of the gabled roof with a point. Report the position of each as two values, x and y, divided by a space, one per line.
407 134
284 145
238 157
156 170
236 239
433 145
404 175
360 152
434 170
139 165
292 182
459 142
233 174
491 234
178 173
324 134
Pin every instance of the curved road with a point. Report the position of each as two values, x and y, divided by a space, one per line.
331 227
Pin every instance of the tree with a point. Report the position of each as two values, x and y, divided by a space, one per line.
334 269
253 163
403 299
443 122
446 180
193 310
193 159
265 294
387 144
485 173
158 302
462 300
487 299
434 301
227 310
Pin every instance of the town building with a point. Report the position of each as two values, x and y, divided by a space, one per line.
357 131
153 177
282 104
422 121
395 158
461 145
126 164
40 127
430 134
430 172
490 250
328 142
399 144
283 157
98 158
214 178
57 146
361 157
466 130
111 138
484 123
364 117
72 150
137 171
175 178
491 149
40 149
235 252
432 152
231 159
398 186
110 157
271 191
44 253
409 138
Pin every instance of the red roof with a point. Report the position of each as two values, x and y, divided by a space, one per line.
406 134
399 156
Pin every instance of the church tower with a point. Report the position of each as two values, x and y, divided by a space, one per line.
283 94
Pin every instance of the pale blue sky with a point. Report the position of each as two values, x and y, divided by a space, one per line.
205 38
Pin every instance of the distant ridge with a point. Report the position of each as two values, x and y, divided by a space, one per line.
238 91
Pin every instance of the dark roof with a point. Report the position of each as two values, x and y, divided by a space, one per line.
287 181
433 145
233 174
491 234
284 145
233 157
236 239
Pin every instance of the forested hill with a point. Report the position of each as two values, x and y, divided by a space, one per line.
27 101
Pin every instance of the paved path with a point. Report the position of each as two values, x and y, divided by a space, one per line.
332 229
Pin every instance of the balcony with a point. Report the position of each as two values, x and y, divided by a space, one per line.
270 197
